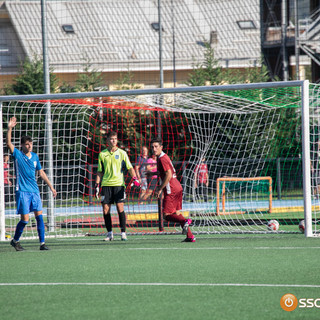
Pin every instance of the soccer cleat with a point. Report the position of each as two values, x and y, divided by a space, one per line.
186 226
44 247
193 239
17 245
108 238
124 237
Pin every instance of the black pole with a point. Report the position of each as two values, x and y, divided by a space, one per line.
160 215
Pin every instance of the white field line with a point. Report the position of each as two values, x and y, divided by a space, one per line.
161 284
108 247
227 248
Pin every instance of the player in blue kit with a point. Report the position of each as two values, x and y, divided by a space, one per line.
26 164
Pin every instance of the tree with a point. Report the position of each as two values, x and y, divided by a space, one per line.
66 87
281 135
125 82
207 71
30 79
210 72
89 79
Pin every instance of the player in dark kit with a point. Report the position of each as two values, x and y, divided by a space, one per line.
172 190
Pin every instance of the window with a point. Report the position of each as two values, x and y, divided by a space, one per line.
4 50
68 28
213 37
155 26
246 24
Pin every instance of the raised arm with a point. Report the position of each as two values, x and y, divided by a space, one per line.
12 123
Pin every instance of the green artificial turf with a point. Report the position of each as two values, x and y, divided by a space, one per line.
158 277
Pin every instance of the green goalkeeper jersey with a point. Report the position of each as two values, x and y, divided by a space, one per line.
113 166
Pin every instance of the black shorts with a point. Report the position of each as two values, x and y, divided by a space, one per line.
152 183
110 195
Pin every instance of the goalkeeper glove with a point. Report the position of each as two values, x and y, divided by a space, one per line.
135 182
97 190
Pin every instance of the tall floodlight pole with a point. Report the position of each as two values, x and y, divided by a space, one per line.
296 32
173 45
160 67
160 216
284 41
160 44
48 129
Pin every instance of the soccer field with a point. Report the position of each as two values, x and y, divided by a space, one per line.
158 277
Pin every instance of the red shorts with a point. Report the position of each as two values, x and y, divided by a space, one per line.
172 202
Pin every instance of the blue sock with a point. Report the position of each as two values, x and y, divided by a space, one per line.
40 228
19 229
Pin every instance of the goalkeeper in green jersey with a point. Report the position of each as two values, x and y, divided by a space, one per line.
112 163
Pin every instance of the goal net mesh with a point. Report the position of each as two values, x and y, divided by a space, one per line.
208 135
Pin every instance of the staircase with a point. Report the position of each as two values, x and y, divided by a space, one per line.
309 39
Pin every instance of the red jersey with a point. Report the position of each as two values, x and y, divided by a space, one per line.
164 164
202 173
6 172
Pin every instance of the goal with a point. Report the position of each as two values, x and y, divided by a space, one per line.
244 132
239 195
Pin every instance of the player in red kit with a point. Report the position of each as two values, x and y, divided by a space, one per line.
172 190
202 179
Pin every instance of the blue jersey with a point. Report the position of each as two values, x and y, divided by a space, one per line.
25 170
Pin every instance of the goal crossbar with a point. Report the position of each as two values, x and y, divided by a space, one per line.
137 92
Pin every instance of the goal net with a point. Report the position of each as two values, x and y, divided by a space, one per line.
238 195
223 145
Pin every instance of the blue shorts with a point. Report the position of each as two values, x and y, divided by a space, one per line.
28 202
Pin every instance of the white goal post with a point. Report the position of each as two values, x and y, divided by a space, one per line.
240 131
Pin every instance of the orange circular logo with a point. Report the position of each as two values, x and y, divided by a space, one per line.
288 302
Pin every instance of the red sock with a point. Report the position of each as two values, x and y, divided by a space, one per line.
189 234
181 219
176 218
